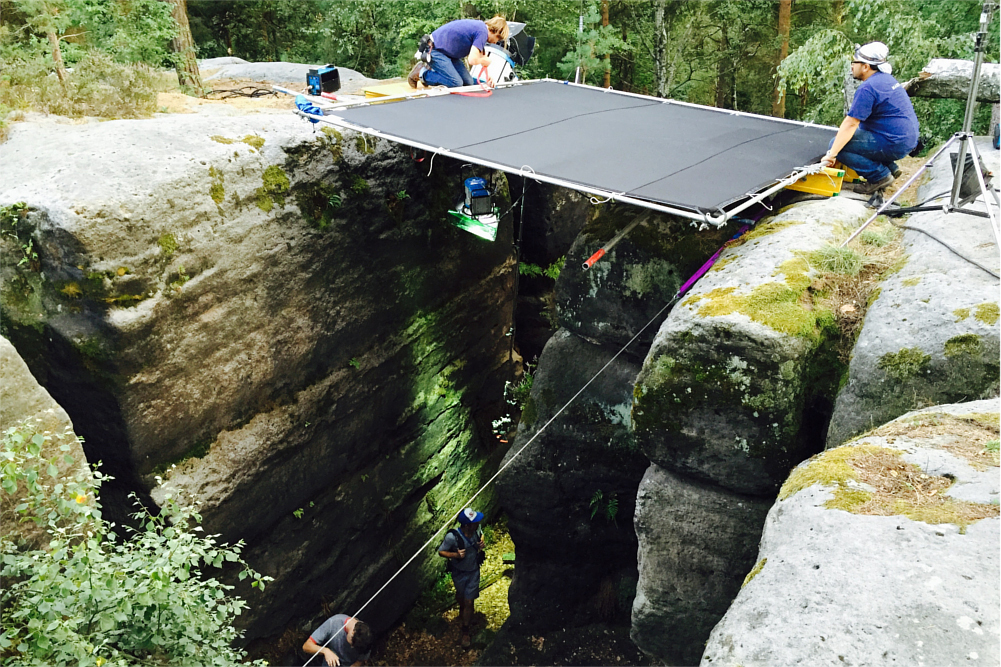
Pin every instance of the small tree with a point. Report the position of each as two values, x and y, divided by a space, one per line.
90 597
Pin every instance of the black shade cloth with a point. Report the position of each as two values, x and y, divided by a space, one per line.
692 157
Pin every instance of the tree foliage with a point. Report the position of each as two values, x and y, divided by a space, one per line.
92 597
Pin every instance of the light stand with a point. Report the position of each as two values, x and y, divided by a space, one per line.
966 143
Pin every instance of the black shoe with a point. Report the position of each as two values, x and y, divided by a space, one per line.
868 188
896 172
415 75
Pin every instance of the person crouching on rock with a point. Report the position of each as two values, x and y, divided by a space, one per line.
351 643
464 38
464 549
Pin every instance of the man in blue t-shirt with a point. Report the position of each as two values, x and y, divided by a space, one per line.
880 127
341 641
465 38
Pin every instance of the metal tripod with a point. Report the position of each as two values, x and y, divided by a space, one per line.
966 143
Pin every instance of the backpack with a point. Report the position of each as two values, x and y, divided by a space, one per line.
424 49
481 556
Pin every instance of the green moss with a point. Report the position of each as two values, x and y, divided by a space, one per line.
363 145
964 344
530 413
222 140
274 185
359 185
961 314
317 202
216 190
987 313
656 277
767 228
754 571
904 364
167 243
828 468
911 282
254 141
197 451
333 142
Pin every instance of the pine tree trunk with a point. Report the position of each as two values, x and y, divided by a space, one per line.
659 49
184 46
778 96
57 57
724 73
607 81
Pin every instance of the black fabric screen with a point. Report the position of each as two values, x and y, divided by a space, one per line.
692 157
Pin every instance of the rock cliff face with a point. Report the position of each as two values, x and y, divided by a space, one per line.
735 390
277 319
882 551
931 335
570 495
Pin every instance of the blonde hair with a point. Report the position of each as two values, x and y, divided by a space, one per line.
498 26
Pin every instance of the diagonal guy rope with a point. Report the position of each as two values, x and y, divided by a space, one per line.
691 281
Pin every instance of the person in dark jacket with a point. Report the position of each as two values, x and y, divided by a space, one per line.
880 127
464 551
465 38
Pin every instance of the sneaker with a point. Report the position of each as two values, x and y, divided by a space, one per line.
868 188
896 171
415 75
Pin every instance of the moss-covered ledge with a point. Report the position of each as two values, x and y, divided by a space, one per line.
740 380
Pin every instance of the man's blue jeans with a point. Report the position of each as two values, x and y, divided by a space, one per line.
445 71
871 156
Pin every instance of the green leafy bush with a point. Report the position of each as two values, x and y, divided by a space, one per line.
97 86
91 597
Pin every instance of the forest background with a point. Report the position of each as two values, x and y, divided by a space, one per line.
775 57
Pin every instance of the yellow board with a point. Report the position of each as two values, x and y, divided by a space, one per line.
827 183
387 89
851 176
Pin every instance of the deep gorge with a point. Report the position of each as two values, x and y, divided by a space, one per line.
282 322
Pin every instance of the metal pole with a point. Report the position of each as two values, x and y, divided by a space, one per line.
983 189
896 194
971 104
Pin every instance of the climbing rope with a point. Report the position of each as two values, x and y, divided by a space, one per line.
454 517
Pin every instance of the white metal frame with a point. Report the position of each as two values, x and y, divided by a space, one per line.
716 219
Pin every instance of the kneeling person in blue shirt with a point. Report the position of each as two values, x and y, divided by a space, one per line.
464 547
880 127
351 643
465 38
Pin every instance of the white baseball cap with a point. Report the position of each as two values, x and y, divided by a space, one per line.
875 54
469 515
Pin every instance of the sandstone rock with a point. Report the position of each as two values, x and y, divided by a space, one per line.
696 541
836 587
23 400
931 336
945 78
569 495
614 299
280 312
737 386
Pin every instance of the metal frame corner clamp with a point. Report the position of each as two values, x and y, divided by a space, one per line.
701 217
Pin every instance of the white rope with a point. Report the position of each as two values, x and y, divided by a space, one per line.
469 502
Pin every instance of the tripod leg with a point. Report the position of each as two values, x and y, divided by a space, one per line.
983 190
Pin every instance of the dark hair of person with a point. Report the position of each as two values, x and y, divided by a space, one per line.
361 640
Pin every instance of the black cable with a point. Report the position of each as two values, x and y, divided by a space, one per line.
954 251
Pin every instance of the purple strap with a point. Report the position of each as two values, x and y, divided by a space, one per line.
708 265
